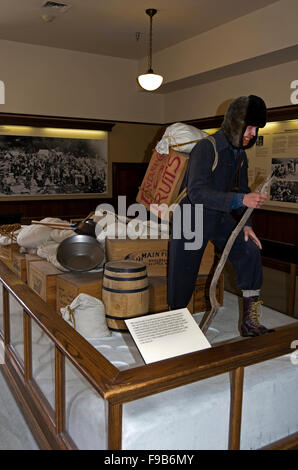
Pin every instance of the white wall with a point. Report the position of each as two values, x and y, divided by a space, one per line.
272 84
56 82
262 32
49 81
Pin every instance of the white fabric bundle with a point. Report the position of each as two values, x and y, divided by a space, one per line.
47 248
156 230
31 236
31 251
111 230
144 229
48 251
114 226
179 133
59 235
87 315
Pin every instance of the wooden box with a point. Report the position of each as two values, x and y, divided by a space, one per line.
6 251
158 295
7 262
29 259
19 266
201 293
207 260
200 299
153 253
70 285
43 280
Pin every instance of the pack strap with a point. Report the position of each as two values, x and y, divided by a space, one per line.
184 143
183 193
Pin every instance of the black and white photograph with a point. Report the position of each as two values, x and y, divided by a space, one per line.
284 191
41 166
285 168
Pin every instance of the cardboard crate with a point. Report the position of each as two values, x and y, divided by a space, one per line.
70 285
154 253
19 266
43 280
29 259
198 303
162 181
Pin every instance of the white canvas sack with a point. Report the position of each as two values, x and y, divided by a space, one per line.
48 251
32 236
59 235
87 315
181 137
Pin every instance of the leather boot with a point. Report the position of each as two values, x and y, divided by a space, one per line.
250 325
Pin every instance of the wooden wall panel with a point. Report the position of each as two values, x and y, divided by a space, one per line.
61 208
276 226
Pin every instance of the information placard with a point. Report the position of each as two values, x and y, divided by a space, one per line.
167 334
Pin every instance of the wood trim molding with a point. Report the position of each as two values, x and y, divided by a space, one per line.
282 113
54 121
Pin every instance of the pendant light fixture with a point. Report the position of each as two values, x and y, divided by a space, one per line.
150 81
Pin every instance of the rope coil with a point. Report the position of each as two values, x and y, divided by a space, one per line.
9 231
71 316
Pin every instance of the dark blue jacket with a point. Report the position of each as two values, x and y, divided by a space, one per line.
213 189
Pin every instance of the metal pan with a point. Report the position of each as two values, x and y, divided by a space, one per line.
80 253
83 227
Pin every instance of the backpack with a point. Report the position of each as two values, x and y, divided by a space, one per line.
163 178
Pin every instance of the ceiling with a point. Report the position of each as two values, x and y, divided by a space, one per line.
109 27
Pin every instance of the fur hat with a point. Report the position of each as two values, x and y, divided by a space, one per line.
242 112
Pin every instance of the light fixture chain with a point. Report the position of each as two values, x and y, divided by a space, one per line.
150 81
150 45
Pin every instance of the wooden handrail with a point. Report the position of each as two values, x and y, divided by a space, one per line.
137 382
93 365
60 390
120 387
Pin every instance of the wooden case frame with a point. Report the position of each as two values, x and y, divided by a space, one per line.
119 387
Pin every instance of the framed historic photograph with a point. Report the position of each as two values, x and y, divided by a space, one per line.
277 152
52 162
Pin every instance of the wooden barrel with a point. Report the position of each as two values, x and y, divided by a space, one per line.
125 292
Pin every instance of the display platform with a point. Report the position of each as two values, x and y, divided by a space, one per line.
193 416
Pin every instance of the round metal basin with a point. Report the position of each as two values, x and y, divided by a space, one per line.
80 253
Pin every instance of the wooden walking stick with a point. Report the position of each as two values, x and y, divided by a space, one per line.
208 318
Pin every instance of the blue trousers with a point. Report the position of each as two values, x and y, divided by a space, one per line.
183 265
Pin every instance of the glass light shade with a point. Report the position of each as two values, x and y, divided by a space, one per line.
150 81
